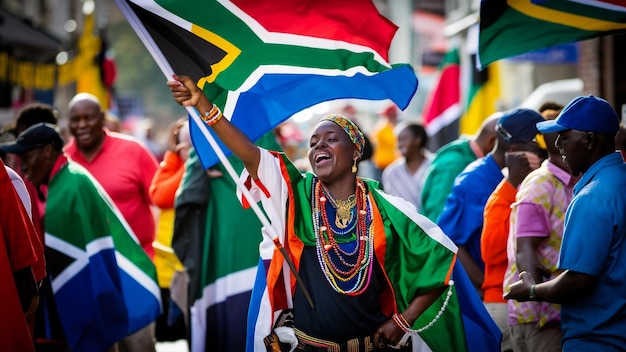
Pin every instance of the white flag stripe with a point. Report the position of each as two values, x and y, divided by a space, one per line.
296 39
451 114
138 275
82 257
429 227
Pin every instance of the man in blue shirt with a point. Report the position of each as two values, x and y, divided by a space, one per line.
592 288
462 216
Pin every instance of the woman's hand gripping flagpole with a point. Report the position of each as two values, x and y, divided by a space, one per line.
167 70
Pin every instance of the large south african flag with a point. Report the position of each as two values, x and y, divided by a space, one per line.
513 27
104 284
264 61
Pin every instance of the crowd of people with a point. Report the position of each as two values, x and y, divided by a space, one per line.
522 224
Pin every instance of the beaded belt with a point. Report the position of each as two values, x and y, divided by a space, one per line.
360 344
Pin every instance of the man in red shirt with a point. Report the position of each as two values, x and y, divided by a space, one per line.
125 169
119 162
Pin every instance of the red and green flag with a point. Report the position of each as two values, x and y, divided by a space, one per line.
513 27
443 106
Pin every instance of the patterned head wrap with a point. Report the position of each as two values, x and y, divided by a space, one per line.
350 128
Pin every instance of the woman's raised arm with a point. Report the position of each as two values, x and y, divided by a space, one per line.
187 93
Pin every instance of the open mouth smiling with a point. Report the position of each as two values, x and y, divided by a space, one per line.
321 158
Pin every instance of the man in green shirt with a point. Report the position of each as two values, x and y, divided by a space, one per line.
449 161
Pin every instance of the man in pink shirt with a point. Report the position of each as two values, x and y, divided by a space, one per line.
125 169
536 230
122 165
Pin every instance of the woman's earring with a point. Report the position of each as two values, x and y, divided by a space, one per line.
354 169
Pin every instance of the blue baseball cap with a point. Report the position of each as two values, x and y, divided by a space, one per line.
519 125
36 136
585 113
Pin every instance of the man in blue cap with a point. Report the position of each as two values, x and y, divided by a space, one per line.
592 287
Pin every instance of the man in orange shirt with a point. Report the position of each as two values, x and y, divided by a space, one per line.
494 237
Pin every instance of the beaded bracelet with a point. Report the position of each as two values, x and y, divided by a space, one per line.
212 116
404 325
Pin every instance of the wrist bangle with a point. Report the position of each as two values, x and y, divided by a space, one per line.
532 294
212 116
404 325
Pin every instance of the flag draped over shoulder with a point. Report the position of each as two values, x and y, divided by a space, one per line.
465 323
264 61
104 284
512 27
416 256
228 262
443 106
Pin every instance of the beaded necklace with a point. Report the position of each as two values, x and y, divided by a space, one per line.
348 270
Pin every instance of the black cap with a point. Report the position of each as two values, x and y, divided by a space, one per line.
36 136
519 125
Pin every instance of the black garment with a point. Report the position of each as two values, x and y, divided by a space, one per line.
336 317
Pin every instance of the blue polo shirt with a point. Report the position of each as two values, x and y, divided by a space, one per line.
594 243
462 216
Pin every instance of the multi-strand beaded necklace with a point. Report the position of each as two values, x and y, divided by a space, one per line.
348 270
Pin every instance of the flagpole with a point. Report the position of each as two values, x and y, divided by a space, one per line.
167 70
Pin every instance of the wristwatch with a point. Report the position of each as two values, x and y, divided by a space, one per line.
532 294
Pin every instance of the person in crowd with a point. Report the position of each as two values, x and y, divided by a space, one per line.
169 326
536 224
462 215
78 213
125 169
404 177
495 234
449 162
493 240
207 216
122 165
384 140
18 295
591 285
27 116
34 113
344 295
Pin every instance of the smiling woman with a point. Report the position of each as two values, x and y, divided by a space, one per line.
369 267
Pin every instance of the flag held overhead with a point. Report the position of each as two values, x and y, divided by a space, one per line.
266 61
